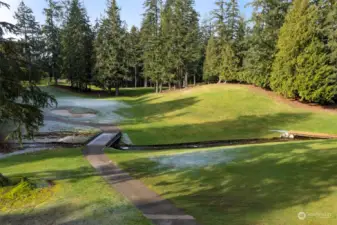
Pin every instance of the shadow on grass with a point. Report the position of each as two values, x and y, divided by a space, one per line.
272 177
99 212
242 127
71 175
151 112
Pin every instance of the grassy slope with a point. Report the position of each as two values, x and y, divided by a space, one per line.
266 184
216 112
79 197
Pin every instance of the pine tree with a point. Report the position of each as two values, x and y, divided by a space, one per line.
240 44
135 52
302 68
27 113
51 31
211 64
167 37
268 18
228 68
111 44
186 39
330 30
232 20
151 42
77 47
227 26
29 32
219 16
206 31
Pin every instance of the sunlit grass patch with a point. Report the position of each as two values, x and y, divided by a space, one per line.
263 184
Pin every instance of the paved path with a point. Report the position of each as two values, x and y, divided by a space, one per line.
154 207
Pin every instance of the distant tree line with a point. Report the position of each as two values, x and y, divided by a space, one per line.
286 46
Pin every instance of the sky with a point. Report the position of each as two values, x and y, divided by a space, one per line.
131 10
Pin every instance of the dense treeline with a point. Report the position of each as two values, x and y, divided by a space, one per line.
286 46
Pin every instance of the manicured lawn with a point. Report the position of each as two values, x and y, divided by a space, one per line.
251 185
216 112
78 197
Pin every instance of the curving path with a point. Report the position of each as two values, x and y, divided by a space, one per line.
153 207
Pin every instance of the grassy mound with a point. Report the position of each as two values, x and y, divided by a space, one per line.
217 112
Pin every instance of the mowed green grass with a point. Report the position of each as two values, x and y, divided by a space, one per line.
79 197
264 184
216 112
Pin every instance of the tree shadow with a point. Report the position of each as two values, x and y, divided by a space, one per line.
98 212
242 127
272 177
150 112
71 175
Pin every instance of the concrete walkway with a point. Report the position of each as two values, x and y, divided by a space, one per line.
154 207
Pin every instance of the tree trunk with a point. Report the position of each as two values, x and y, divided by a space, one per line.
50 77
186 80
117 90
157 86
145 82
179 84
194 80
169 84
56 80
220 80
161 87
135 76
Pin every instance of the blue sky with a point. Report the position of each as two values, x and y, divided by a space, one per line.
131 10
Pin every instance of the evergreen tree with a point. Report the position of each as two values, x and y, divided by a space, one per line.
227 26
29 32
211 64
167 38
20 102
228 69
186 41
240 44
51 31
331 30
232 19
268 18
111 44
206 31
77 46
135 52
151 42
219 16
302 68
